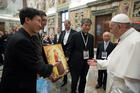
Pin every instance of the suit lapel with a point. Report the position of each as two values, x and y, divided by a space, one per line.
63 34
70 35
102 46
88 43
108 47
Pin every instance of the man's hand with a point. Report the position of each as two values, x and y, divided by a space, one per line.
38 75
67 59
56 63
92 62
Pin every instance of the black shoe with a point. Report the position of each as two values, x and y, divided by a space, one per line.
63 84
97 86
104 87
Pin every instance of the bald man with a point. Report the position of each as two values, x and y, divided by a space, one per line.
103 50
123 64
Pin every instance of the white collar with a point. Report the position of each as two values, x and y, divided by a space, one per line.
106 42
58 33
124 35
68 31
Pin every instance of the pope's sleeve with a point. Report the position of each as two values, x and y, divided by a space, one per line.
102 64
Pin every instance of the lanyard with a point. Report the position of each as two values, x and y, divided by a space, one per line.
85 42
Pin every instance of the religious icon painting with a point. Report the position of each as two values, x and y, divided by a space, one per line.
55 53
125 7
135 13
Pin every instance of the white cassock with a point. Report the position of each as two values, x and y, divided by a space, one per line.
123 64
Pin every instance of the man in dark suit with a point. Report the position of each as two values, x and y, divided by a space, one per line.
103 50
64 40
37 38
79 50
57 36
22 64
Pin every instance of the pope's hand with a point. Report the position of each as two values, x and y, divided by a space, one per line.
56 63
92 62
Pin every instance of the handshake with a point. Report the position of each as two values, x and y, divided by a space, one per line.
92 62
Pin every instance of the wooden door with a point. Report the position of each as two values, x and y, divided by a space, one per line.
2 26
102 25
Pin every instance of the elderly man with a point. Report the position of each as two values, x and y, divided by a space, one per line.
124 62
103 50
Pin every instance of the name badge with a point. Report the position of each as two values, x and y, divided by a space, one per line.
86 54
104 55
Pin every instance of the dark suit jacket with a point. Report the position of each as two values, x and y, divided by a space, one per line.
55 39
37 42
61 38
75 50
22 65
100 49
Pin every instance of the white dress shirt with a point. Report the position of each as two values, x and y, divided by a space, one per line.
106 45
66 37
57 36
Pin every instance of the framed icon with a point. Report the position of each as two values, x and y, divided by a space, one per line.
55 53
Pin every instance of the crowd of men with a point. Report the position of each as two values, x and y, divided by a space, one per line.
117 65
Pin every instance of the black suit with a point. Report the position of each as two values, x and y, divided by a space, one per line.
22 65
78 65
102 79
1 50
55 39
61 38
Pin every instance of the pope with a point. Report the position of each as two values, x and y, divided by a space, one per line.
124 62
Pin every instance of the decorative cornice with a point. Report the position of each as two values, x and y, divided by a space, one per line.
104 11
78 8
63 7
101 2
50 15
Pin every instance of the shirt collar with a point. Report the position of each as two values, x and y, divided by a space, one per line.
68 31
84 33
124 35
25 32
106 42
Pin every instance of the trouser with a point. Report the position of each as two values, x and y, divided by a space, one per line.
79 75
102 77
65 78
1 59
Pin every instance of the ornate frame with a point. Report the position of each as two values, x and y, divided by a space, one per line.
54 53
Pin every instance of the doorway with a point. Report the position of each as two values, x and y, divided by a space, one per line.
2 26
101 25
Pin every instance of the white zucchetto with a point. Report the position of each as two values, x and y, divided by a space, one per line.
121 18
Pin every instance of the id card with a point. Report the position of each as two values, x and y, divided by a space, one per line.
104 55
86 54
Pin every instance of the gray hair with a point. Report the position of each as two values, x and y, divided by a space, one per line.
84 20
68 21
